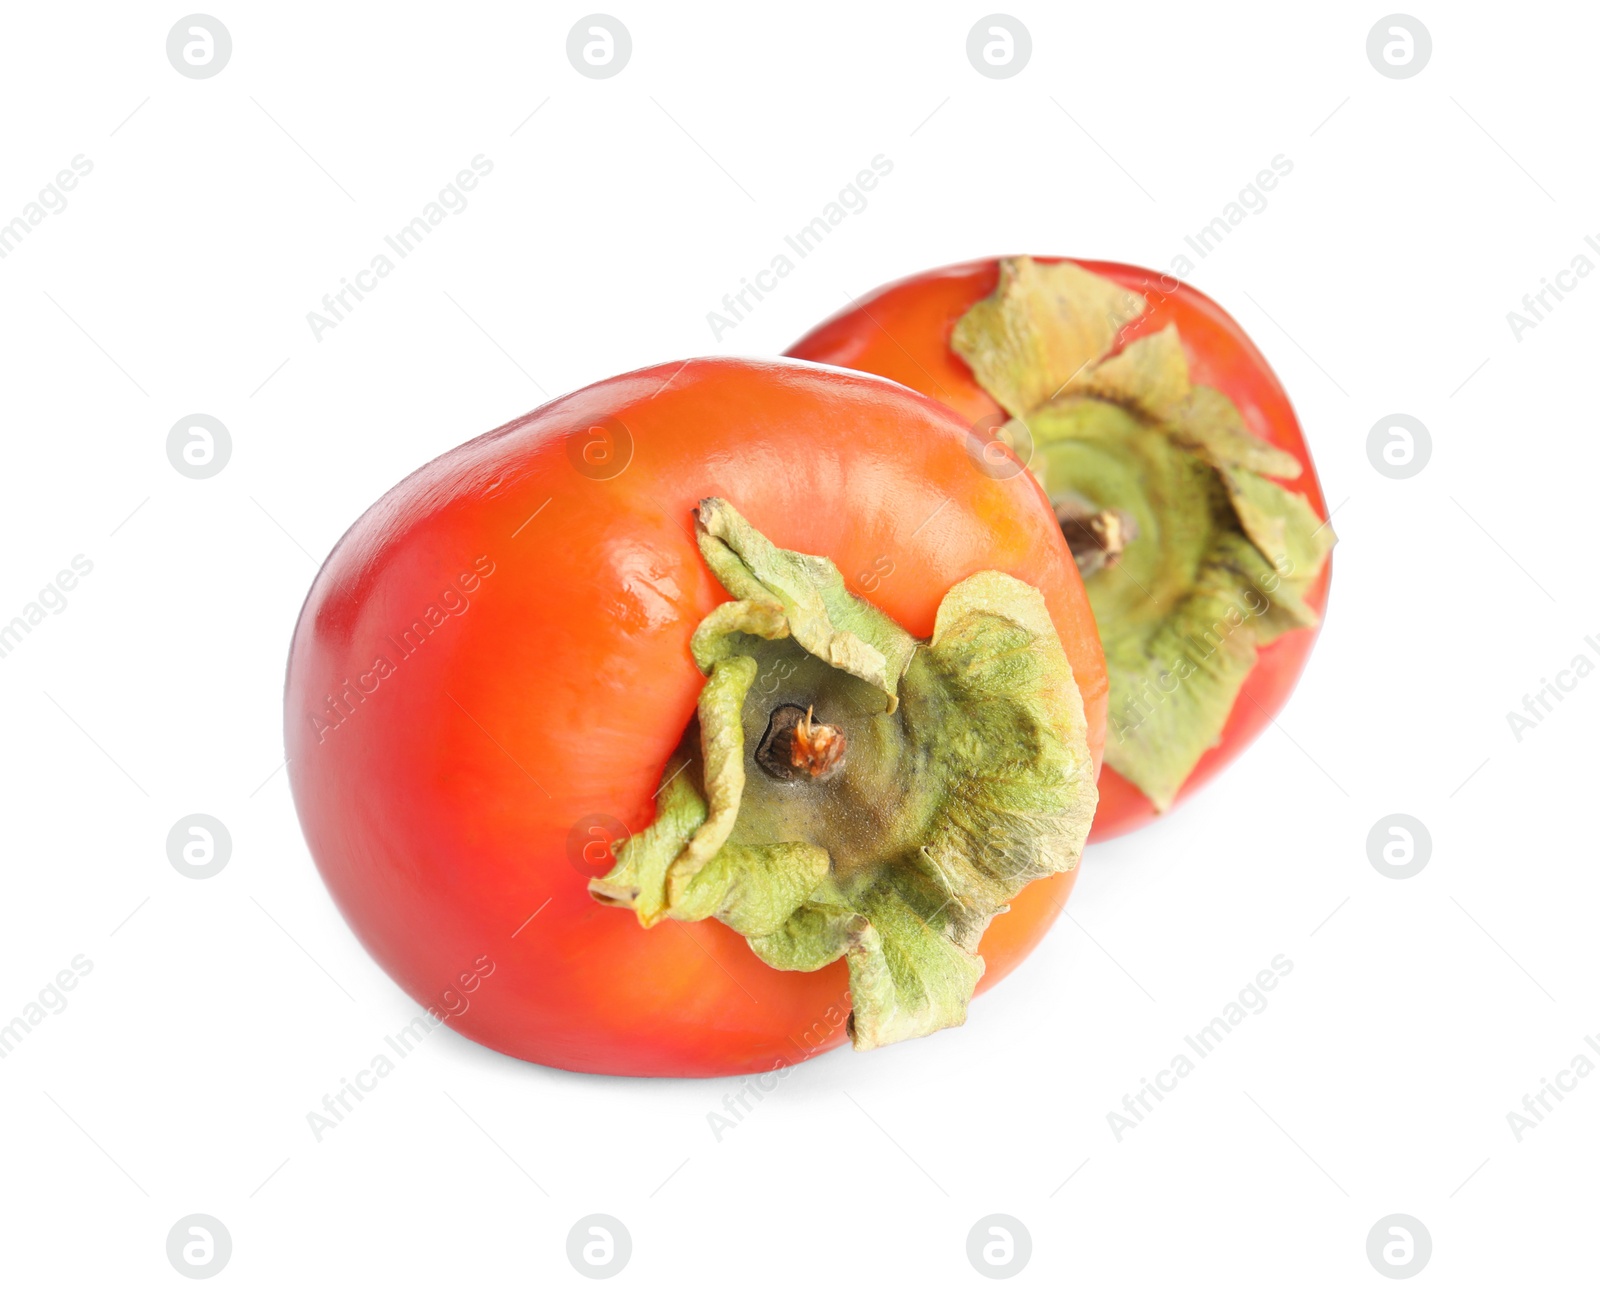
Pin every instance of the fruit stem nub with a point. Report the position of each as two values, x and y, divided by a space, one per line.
1096 538
797 743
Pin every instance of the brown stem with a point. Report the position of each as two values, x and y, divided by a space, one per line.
796 744
1096 539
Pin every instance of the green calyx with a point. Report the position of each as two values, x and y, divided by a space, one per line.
1210 558
965 774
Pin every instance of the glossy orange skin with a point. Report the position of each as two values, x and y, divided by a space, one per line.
903 332
440 810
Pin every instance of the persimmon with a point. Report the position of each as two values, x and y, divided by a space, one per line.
731 709
1178 472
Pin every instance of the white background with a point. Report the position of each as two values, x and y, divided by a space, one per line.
178 279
